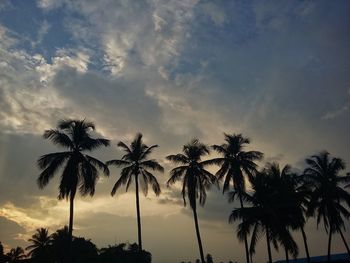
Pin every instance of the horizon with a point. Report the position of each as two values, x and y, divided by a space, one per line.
172 70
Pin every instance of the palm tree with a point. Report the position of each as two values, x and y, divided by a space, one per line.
298 192
234 164
270 213
16 254
328 195
196 180
61 245
135 163
3 257
41 242
80 169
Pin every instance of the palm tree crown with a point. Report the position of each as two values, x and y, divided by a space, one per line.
196 179
136 164
80 169
235 162
41 241
16 255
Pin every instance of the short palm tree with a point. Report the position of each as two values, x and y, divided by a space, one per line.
328 195
16 255
80 170
234 163
268 212
135 165
41 242
61 245
196 180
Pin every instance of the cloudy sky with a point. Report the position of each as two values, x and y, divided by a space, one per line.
276 71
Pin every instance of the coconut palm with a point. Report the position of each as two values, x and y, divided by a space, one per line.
234 163
270 213
298 192
80 170
328 195
41 243
135 165
196 180
15 255
290 199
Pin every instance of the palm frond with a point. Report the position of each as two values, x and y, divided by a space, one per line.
90 144
51 164
98 163
59 138
152 181
118 163
69 179
152 164
178 158
124 147
176 174
148 151
125 174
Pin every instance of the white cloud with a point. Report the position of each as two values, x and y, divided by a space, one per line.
49 4
333 114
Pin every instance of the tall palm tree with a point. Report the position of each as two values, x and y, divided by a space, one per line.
196 180
41 242
269 212
328 195
80 170
135 163
234 164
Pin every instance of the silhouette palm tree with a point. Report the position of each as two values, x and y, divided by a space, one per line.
15 255
41 243
298 192
234 164
61 244
328 196
270 213
135 165
80 169
196 180
3 257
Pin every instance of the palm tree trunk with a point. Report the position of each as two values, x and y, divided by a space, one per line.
198 235
305 244
70 228
138 213
329 246
245 237
268 244
287 258
344 240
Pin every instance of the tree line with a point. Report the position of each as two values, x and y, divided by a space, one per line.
277 201
52 248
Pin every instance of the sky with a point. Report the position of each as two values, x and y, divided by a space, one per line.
276 71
